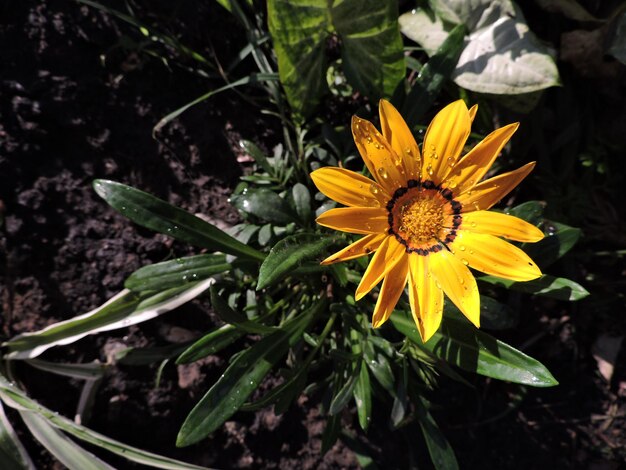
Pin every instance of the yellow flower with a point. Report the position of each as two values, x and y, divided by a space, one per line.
425 215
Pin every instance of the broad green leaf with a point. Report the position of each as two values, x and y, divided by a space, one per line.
546 286
433 76
64 449
474 14
363 397
241 378
440 450
560 238
121 311
160 216
367 31
425 28
290 253
212 342
530 211
265 205
302 202
237 319
505 58
177 272
16 398
371 52
473 350
13 455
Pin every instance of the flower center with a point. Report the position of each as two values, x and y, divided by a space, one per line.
423 217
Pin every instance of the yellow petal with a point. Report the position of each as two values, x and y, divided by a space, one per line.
457 282
425 298
473 166
355 219
494 256
364 246
444 140
390 292
501 225
349 188
399 136
472 112
484 195
381 160
389 253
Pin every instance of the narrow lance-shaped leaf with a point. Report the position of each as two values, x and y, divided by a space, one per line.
176 272
439 448
160 216
288 254
241 378
13 455
16 398
121 311
545 286
476 351
235 318
64 449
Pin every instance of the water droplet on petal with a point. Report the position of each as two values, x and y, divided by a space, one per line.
462 247
464 261
383 173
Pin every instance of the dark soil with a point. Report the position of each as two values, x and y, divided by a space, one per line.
78 102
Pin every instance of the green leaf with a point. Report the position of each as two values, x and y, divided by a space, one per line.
259 157
367 31
160 216
146 356
372 53
290 253
241 378
121 311
87 371
463 345
505 58
302 202
342 397
433 76
365 461
559 240
236 319
425 28
251 79
546 286
264 204
380 367
616 43
13 455
439 448
16 398
212 342
363 397
177 272
530 211
64 449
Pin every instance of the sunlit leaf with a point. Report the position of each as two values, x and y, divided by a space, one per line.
546 286
560 238
363 397
121 311
16 398
160 216
13 455
463 345
212 342
177 272
289 253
